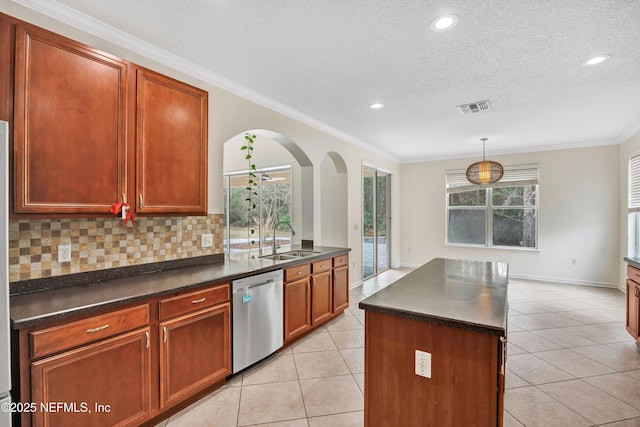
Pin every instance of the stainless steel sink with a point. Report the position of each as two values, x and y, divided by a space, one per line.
299 253
280 257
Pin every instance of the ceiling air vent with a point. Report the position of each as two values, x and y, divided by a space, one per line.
474 107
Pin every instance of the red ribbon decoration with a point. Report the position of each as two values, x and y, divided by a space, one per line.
115 209
129 216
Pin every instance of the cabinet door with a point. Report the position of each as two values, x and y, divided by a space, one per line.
296 308
171 146
633 309
340 289
321 302
195 353
96 379
69 125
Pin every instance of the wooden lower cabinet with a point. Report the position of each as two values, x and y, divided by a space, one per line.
633 309
94 382
321 302
297 300
195 353
128 366
314 293
340 289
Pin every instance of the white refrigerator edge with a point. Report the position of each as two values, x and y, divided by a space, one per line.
5 353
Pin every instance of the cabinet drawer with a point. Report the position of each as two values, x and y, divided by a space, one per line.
341 260
297 272
633 274
193 301
320 266
72 334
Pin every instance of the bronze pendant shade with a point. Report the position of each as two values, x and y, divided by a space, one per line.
486 171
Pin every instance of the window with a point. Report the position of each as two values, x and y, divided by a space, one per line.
504 214
633 250
274 205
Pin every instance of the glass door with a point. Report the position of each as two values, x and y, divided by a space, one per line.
375 221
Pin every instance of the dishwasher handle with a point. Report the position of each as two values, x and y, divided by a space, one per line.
246 288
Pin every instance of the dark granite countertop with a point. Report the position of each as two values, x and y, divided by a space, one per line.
465 294
29 309
634 262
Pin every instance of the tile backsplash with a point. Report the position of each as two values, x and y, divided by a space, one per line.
101 243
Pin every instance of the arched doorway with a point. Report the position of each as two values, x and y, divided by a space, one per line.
285 176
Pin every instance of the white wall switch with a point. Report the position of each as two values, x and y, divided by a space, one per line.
64 253
423 364
207 240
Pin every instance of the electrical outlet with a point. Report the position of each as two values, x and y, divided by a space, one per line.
64 253
573 261
423 364
207 240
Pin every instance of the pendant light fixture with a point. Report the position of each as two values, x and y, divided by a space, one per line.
486 171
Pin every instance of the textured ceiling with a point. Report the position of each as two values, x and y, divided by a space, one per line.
330 59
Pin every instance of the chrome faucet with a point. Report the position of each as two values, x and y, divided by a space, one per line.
293 233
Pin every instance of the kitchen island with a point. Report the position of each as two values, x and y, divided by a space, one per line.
454 313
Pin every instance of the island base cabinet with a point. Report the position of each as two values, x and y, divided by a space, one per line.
195 353
103 384
464 387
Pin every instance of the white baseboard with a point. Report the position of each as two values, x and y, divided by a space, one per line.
354 285
567 281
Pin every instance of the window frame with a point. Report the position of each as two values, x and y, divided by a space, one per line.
260 237
633 204
515 176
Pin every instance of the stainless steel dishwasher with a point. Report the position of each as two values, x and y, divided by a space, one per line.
257 318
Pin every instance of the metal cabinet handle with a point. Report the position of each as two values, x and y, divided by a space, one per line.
299 272
99 328
164 334
148 338
141 204
198 301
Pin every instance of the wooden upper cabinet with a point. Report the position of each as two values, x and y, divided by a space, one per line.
70 109
89 127
171 146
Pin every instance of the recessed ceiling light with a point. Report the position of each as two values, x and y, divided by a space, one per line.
443 23
376 106
598 59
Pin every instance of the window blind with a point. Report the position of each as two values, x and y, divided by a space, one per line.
634 184
513 175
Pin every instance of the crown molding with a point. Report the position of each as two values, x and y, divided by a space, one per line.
624 136
520 150
90 25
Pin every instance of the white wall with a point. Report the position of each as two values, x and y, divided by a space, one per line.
333 204
628 148
579 216
231 115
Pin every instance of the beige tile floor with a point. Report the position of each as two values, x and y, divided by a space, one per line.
570 363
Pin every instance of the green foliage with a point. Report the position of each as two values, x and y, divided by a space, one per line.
381 205
251 190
